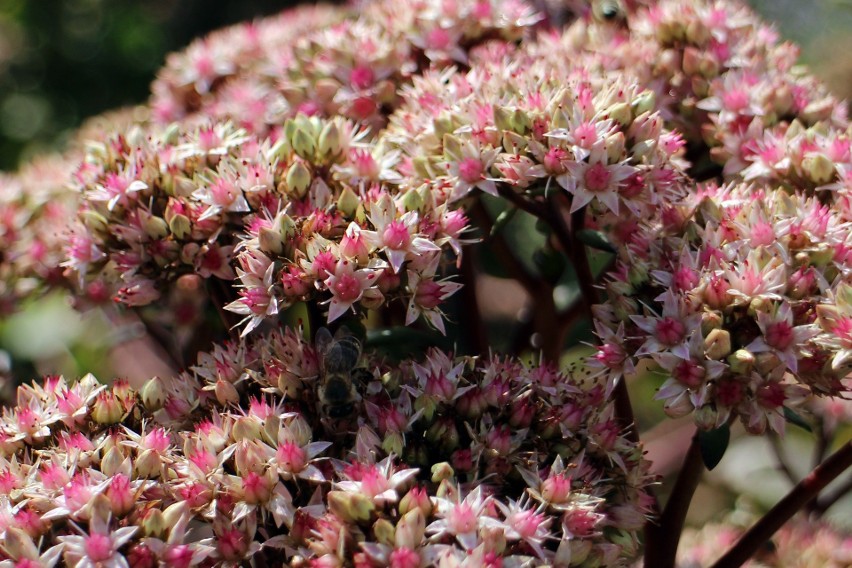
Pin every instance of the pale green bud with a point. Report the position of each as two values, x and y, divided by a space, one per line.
620 113
717 344
442 471
270 241
384 532
412 201
153 394
644 102
329 141
94 221
741 362
156 227
502 118
303 144
348 202
180 226
350 507
818 168
298 180
111 462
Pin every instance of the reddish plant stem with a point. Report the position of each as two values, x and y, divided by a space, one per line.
824 504
662 538
796 499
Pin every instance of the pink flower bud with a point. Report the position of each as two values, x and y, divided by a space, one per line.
121 495
107 409
258 488
416 498
291 458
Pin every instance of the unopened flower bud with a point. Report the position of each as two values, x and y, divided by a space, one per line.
521 121
412 201
107 409
706 417
502 118
298 180
741 362
148 464
556 488
678 406
818 168
121 496
427 406
270 241
620 113
442 471
245 428
348 202
303 144
513 142
173 513
717 344
644 102
416 499
329 141
443 125
350 507
154 524
444 433
615 147
180 226
710 320
226 393
153 394
94 221
393 444
111 462
410 529
452 147
257 488
696 32
760 305
384 532
156 227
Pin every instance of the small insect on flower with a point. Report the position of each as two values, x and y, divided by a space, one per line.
337 396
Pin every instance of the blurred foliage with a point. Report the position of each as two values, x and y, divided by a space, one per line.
64 60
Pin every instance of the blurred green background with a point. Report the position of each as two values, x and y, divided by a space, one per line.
64 60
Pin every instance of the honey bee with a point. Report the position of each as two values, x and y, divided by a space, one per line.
339 355
609 11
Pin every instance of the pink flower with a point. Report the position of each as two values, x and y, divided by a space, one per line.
347 286
781 337
595 179
98 548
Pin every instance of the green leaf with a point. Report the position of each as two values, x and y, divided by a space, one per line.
550 263
793 417
713 445
595 239
504 217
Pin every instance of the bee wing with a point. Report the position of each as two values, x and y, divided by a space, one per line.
323 342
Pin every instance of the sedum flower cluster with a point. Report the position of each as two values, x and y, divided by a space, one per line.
801 543
35 204
335 159
445 460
